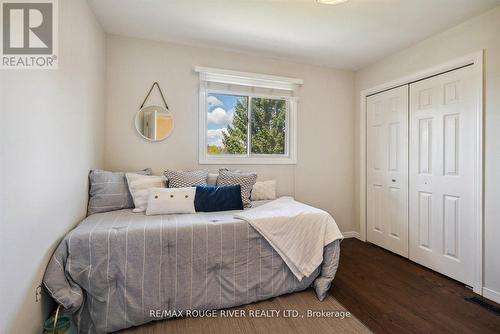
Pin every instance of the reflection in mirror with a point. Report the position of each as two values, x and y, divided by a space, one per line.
154 123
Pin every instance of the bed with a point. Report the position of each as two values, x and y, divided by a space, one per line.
120 269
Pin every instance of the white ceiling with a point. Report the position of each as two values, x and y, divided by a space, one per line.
349 36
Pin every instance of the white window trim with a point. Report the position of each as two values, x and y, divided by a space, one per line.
252 80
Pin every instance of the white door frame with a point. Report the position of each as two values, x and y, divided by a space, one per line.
476 61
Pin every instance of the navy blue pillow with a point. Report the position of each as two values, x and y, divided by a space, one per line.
223 198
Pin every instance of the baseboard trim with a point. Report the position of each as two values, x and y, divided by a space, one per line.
351 234
491 295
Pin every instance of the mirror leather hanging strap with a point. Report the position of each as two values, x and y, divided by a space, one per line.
149 92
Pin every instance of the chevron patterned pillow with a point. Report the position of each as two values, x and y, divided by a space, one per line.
245 180
182 179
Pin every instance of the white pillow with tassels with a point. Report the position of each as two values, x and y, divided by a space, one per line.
139 186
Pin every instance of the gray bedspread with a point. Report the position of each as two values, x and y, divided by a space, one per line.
120 269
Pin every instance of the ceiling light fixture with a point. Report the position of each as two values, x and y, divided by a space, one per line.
331 2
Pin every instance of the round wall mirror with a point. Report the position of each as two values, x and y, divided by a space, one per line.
154 123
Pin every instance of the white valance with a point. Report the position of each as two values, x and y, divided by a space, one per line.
230 77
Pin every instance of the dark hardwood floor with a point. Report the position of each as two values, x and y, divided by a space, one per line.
303 301
391 294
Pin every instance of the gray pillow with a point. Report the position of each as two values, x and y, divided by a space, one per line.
109 191
245 180
182 179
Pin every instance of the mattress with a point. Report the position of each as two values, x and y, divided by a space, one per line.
120 269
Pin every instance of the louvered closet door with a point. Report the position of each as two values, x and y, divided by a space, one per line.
387 170
443 123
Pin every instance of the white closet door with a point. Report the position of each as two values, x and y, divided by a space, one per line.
443 125
387 170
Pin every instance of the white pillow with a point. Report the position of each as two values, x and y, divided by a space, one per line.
263 190
139 188
165 201
212 179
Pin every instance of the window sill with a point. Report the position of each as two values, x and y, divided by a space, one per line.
247 161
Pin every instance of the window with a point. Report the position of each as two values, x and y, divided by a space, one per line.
246 120
246 125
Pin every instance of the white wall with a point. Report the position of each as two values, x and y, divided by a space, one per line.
51 135
323 175
481 32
